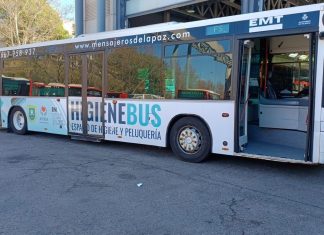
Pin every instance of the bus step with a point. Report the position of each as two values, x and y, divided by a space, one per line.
90 138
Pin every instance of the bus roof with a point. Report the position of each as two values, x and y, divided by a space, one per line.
16 78
55 84
172 26
75 85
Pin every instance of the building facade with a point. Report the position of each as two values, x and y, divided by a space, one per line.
105 15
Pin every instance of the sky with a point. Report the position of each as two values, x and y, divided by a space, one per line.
64 7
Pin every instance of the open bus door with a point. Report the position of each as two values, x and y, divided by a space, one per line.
0 96
85 97
1 90
280 123
246 50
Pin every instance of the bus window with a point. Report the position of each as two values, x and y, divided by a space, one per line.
37 88
198 94
94 92
47 75
176 50
31 77
289 75
94 77
54 90
75 90
15 79
15 86
144 77
184 73
122 95
75 66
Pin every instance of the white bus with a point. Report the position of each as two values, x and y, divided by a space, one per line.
266 69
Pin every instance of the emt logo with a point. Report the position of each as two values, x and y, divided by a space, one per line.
265 24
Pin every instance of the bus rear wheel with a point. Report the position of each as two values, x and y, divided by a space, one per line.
190 139
18 121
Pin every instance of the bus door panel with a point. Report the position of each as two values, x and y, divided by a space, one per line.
85 94
74 95
0 98
318 146
246 50
1 90
94 93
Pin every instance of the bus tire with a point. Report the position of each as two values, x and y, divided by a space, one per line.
190 139
18 121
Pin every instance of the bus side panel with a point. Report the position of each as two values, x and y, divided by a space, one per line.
1 125
147 121
43 114
5 105
318 149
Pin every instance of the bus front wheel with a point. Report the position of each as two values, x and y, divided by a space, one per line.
18 121
190 139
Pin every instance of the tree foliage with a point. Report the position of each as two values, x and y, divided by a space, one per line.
134 72
28 21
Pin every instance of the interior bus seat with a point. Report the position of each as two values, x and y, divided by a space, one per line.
287 113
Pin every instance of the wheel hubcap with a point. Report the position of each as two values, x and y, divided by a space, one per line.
189 139
19 120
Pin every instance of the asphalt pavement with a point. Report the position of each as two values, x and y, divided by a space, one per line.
50 184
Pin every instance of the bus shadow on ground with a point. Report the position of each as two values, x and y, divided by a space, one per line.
166 153
266 165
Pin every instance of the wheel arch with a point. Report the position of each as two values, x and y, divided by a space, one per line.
178 117
9 114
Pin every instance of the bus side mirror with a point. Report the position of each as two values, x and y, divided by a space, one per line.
321 35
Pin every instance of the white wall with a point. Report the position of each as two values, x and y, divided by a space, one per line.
90 16
110 15
134 7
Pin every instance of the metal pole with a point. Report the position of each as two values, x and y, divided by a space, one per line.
79 17
249 6
259 7
101 15
245 7
120 14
